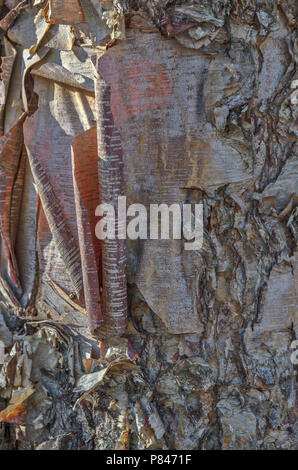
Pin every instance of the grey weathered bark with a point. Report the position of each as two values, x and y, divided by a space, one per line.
193 102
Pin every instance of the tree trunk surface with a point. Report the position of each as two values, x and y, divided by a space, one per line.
145 344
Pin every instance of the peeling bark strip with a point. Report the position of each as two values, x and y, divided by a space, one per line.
11 146
10 18
111 185
65 241
86 189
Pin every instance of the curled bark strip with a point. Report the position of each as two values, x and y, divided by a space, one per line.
65 241
10 18
11 146
111 185
29 97
84 163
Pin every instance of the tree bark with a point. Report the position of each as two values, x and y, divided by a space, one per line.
142 344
